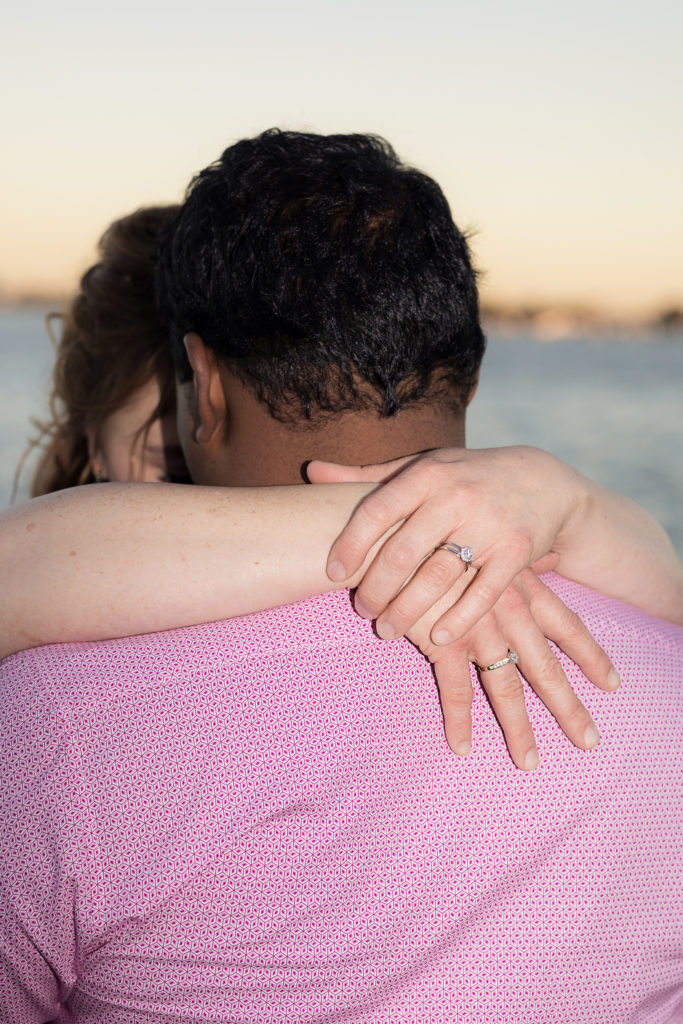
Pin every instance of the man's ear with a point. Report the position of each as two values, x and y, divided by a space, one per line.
474 387
210 409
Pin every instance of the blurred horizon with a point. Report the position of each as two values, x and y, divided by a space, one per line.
554 133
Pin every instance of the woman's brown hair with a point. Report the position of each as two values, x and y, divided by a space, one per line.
113 342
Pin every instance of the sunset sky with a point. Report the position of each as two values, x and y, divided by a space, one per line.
555 130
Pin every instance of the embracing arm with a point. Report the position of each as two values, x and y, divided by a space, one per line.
185 555
612 544
110 560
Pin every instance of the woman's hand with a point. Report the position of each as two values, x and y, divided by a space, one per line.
523 617
508 504
514 507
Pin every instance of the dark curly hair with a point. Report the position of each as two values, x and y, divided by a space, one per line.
325 274
112 342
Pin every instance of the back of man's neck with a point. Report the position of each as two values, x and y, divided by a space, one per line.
264 451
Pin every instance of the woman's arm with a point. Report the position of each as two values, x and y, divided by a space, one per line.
71 572
612 544
514 507
110 560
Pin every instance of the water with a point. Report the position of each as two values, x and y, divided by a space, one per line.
613 409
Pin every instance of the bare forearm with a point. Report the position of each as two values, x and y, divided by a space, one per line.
612 544
114 560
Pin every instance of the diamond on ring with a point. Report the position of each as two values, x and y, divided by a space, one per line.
512 657
464 552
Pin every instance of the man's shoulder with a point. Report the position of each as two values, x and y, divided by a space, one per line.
74 686
323 626
325 621
322 623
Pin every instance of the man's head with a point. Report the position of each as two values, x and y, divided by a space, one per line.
326 288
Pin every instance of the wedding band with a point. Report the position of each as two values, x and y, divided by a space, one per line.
464 553
512 657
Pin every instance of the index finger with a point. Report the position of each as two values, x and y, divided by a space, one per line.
376 514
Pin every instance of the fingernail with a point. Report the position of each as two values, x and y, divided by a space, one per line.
364 612
337 572
442 636
613 680
591 737
385 630
531 761
463 749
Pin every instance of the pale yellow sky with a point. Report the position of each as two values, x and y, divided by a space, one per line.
554 132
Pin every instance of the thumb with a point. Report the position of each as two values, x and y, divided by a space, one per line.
319 472
333 473
546 564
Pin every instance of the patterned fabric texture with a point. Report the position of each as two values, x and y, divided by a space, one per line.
259 821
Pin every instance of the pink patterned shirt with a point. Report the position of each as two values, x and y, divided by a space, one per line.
259 821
